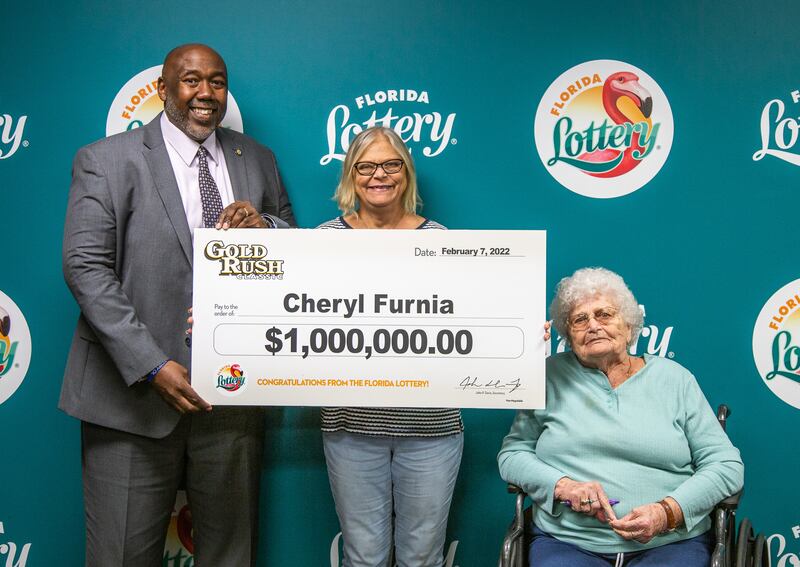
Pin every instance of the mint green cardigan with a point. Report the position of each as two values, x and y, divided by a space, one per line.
653 436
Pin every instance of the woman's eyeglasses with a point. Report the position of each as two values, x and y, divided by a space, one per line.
368 168
604 316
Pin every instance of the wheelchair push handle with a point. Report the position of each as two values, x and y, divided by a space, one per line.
723 413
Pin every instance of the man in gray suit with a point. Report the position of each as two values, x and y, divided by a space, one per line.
134 202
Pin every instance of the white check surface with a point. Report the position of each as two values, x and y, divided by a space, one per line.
389 318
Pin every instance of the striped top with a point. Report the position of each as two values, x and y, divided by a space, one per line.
339 222
392 422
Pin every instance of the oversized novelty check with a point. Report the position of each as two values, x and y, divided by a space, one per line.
388 318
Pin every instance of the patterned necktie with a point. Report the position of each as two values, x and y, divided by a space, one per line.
209 194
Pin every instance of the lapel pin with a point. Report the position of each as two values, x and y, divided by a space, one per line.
238 151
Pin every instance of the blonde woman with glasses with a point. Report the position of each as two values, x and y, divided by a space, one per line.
392 470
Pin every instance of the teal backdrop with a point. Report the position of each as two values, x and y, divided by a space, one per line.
704 245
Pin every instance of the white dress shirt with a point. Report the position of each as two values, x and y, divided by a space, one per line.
182 152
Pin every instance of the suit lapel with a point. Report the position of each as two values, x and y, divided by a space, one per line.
157 158
236 160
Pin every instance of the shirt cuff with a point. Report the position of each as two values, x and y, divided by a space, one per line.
269 220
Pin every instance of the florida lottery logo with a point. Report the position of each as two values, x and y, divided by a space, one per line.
179 544
603 129
653 340
776 343
15 347
779 132
231 380
137 103
12 135
409 112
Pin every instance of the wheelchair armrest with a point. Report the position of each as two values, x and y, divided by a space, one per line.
724 519
731 502
519 511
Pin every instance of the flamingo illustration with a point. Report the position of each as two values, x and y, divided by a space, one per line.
5 323
185 530
5 340
625 101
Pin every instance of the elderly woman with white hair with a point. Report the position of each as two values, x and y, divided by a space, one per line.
627 460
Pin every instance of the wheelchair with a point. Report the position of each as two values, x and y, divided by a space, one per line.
731 548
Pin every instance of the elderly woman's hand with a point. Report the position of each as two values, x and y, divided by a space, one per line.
547 346
642 523
585 497
190 322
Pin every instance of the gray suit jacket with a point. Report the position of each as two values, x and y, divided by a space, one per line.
127 259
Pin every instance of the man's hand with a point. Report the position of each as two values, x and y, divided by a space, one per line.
172 383
240 214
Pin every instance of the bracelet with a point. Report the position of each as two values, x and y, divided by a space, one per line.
672 523
156 370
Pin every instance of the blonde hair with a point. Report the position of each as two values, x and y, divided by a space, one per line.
345 195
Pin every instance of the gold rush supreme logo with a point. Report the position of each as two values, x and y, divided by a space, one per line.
243 260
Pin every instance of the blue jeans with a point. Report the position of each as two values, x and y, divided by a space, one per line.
373 476
547 551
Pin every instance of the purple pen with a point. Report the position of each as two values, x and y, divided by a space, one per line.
610 501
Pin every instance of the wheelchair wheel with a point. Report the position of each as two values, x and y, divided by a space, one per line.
744 545
760 553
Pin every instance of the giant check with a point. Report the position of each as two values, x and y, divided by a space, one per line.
389 318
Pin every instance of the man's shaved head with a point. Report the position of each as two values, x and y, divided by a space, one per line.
194 87
175 55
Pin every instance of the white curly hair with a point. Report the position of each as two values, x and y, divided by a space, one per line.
585 284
